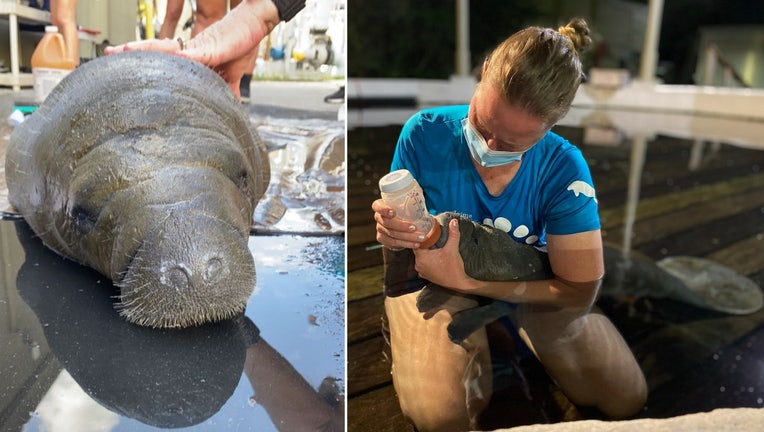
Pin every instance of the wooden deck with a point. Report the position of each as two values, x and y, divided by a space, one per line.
695 360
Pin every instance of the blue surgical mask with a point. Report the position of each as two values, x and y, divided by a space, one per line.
480 151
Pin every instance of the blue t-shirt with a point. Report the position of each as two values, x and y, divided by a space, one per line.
552 191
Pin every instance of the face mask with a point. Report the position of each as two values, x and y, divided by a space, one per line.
480 151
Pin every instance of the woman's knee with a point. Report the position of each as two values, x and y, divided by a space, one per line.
62 20
432 412
626 404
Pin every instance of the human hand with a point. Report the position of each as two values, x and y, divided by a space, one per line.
393 232
224 45
231 71
444 266
172 46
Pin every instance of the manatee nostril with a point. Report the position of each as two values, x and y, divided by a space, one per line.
177 277
214 268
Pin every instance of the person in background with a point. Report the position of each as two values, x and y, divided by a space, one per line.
209 12
497 162
226 45
336 97
171 17
63 15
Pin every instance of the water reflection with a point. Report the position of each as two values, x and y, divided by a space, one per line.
166 378
185 375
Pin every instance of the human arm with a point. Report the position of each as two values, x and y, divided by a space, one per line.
171 17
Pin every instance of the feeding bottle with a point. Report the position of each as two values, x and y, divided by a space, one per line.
401 191
50 64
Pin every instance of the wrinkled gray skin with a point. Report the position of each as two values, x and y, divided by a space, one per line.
143 166
491 255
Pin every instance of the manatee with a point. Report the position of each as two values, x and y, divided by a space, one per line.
490 254
143 166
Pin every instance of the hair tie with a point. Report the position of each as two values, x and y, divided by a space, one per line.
566 31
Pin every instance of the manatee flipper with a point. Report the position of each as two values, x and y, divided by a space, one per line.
714 286
434 297
468 315
469 321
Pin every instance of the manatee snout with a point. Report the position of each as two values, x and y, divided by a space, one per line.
188 270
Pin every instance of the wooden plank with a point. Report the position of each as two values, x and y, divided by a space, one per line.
746 257
377 411
363 283
657 228
666 168
364 228
368 366
678 181
656 206
364 319
702 240
360 256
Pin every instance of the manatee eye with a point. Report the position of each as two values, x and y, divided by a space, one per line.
242 180
82 217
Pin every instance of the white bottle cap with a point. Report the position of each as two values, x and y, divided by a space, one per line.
51 29
395 181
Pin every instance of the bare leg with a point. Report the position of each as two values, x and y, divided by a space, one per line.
587 356
62 15
441 386
171 18
250 65
246 78
207 13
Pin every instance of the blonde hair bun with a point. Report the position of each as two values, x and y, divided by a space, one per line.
578 32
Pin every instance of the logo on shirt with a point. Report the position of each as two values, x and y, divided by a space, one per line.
520 232
579 187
